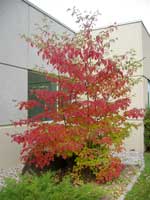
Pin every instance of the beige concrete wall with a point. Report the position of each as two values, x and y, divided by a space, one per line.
135 142
9 151
146 61
146 52
130 36
137 95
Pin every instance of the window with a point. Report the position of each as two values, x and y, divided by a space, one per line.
37 81
148 94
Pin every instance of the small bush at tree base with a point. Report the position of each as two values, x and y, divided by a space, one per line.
45 187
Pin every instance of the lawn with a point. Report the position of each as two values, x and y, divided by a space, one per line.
141 190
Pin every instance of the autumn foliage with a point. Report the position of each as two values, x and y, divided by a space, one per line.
89 112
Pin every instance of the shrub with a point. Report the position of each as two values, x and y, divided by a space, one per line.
147 130
90 120
46 188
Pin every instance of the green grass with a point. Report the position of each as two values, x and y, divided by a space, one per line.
46 188
141 190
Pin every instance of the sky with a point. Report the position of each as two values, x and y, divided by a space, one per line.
112 11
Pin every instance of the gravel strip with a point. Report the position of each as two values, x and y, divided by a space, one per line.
10 173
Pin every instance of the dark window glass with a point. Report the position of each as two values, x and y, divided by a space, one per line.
148 93
37 81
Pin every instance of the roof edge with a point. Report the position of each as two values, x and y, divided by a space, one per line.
145 28
48 15
119 24
126 23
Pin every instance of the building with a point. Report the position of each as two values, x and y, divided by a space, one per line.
18 60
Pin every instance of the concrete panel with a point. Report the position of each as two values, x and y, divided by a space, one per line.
36 17
9 151
129 36
135 142
13 89
13 22
138 94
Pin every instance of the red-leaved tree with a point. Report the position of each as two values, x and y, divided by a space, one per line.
89 111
